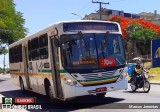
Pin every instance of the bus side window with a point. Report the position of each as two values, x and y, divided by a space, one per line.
35 43
44 53
35 49
20 53
11 55
43 41
35 54
16 53
29 50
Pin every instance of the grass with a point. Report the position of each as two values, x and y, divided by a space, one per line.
154 74
147 65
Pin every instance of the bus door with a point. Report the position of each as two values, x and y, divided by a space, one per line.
25 62
55 70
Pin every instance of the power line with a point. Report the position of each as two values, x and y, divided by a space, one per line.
84 7
117 0
82 10
87 9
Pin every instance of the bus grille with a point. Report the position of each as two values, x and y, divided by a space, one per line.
100 75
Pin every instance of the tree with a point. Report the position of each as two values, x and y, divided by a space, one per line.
11 26
131 39
140 37
133 24
137 34
11 23
123 23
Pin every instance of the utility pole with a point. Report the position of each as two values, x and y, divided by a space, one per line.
4 68
100 7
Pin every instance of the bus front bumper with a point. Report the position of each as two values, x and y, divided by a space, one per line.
73 91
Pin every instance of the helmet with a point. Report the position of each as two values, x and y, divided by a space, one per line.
138 66
138 62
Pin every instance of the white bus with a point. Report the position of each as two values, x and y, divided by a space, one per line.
69 59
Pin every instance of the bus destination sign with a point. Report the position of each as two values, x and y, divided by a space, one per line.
89 26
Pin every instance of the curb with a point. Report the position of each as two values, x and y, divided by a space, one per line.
155 83
152 83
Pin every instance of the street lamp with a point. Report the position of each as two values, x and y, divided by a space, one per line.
76 15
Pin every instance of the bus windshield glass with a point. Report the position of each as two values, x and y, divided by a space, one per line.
91 51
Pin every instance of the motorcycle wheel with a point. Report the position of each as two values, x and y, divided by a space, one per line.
133 86
146 86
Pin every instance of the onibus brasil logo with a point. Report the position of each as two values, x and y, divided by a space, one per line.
20 103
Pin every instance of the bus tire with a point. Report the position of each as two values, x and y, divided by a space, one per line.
48 89
102 95
22 85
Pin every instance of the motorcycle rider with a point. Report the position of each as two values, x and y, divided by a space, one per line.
138 73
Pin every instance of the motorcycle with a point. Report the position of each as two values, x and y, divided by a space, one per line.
143 83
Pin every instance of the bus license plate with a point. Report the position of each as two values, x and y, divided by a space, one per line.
101 89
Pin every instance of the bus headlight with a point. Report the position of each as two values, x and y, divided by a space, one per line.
69 81
123 75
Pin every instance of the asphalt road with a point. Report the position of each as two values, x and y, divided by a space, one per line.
116 99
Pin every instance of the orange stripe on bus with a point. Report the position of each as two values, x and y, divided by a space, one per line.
36 75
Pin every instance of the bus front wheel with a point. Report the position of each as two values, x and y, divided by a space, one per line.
102 95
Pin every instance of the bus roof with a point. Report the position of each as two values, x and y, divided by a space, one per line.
50 27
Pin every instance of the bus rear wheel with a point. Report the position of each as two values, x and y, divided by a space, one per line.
22 85
49 92
102 95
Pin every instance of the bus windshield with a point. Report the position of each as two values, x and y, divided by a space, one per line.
92 51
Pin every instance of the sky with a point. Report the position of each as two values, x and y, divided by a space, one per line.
39 14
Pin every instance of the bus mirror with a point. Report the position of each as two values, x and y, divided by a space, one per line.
56 42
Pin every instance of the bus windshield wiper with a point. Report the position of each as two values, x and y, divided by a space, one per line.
106 35
102 44
82 38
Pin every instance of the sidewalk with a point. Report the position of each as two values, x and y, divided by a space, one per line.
4 77
154 82
7 74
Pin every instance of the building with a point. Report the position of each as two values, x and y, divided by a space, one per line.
108 13
95 16
152 17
